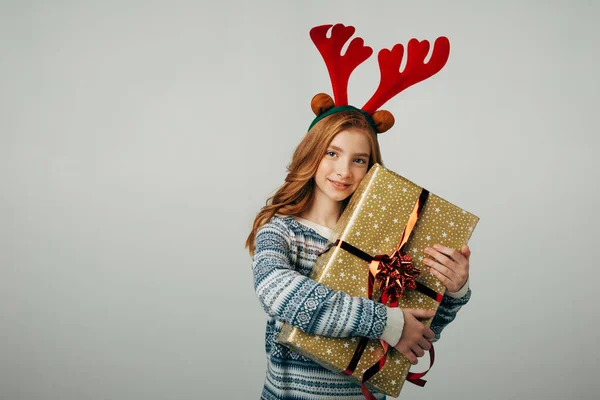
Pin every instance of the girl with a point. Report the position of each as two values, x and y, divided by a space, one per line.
292 230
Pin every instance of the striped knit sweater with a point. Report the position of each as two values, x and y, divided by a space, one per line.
286 250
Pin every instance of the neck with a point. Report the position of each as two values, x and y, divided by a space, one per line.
323 211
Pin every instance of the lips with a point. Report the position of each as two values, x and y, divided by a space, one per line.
339 185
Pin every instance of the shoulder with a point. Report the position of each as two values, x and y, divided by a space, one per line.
287 224
278 230
285 228
276 237
279 224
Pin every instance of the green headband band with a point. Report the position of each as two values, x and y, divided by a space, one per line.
344 108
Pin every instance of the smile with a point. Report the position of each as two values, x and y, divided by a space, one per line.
339 186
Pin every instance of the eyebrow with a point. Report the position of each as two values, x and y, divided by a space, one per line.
356 155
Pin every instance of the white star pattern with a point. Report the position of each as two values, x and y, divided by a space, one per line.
393 382
370 223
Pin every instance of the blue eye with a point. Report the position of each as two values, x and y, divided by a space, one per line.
331 153
360 161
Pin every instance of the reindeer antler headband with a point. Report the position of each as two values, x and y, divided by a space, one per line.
392 81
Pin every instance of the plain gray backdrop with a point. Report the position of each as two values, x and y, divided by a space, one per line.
138 140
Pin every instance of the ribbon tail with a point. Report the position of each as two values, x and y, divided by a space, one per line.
362 344
366 392
375 368
415 377
416 381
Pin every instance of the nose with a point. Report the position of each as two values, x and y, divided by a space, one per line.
342 169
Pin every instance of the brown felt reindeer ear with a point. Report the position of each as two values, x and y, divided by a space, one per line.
321 103
384 120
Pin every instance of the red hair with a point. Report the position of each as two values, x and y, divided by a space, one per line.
295 195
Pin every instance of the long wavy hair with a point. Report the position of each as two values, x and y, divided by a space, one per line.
296 194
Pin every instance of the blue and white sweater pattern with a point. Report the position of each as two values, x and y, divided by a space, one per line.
286 251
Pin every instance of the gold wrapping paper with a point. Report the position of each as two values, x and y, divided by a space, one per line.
374 221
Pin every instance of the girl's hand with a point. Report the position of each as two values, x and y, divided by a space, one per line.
450 266
415 335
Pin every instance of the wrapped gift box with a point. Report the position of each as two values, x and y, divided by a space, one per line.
373 222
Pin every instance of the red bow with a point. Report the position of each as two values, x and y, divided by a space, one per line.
396 274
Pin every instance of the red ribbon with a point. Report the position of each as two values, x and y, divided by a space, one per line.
396 274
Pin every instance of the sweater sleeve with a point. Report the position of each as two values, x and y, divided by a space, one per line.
302 302
447 311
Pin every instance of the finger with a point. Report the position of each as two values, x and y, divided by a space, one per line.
440 257
420 313
466 251
451 284
410 355
453 254
441 277
429 334
424 344
419 352
447 272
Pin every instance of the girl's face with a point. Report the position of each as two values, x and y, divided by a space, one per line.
343 166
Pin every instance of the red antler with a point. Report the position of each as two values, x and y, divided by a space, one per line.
416 70
340 67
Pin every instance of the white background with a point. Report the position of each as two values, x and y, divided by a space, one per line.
138 140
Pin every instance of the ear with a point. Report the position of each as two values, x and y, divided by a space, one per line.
321 103
383 119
